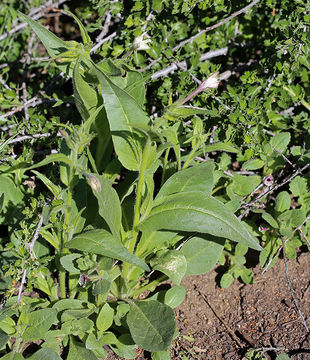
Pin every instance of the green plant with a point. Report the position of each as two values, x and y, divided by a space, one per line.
112 245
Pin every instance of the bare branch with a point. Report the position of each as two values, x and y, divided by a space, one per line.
183 65
243 10
30 103
35 236
22 282
35 14
284 242
108 38
31 246
271 189
181 44
106 26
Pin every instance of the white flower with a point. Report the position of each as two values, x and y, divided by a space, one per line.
141 44
212 82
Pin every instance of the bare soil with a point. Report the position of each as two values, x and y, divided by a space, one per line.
225 323
217 323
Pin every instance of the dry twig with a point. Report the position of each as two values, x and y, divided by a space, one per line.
35 14
31 246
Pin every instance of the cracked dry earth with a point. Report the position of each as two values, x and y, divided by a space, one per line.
217 323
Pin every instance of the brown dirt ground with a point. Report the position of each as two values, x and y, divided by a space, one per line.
225 323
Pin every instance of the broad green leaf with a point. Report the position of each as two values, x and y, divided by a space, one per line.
96 346
172 263
67 263
283 357
220 147
198 212
151 324
37 323
298 186
78 314
125 347
202 253
109 204
8 325
105 318
270 220
122 111
86 98
78 351
245 185
101 242
298 216
46 354
10 190
3 338
196 178
13 356
253 164
175 296
161 355
281 141
65 304
50 159
54 189
133 83
283 201
226 280
240 250
155 240
101 287
54 45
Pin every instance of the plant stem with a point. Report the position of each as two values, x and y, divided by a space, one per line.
139 196
132 241
164 167
149 286
190 157
67 233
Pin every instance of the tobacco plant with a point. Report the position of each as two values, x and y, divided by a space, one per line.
119 221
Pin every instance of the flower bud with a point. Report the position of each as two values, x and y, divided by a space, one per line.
93 181
141 44
212 82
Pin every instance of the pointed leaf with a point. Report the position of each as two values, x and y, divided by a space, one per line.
105 318
13 356
196 178
51 158
220 147
109 204
54 189
197 212
172 263
10 190
67 263
86 98
202 253
53 44
122 110
104 243
46 354
37 323
78 351
175 296
151 324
